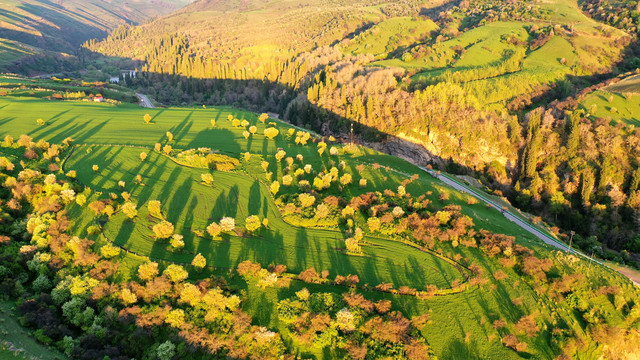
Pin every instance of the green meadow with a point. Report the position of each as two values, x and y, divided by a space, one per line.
112 137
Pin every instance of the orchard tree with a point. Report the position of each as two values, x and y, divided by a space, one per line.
127 297
253 129
352 246
175 273
348 212
81 199
373 223
306 200
190 294
397 212
252 223
213 123
227 224
214 230
271 133
287 180
147 118
345 320
263 117
166 351
346 179
169 136
175 318
157 147
148 271
363 183
207 178
246 134
167 149
109 251
143 156
322 211
163 230
275 187
95 168
154 209
199 262
177 241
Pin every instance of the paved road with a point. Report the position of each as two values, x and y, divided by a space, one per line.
144 101
547 239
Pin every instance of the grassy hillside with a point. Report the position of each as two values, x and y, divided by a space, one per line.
617 102
16 343
487 316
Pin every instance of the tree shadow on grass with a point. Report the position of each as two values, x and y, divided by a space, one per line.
255 198
182 129
216 138
302 247
263 310
89 132
124 235
178 202
457 349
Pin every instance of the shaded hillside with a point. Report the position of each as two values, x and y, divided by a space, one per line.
31 28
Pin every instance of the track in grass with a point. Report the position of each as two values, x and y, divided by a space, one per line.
191 205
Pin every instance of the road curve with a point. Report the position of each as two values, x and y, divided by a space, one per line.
144 101
547 239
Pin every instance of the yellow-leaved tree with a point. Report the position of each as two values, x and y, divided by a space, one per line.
199 262
163 230
175 273
148 271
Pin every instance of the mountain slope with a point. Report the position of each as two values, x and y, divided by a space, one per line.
30 27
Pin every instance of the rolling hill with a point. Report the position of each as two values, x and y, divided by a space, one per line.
30 28
202 232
